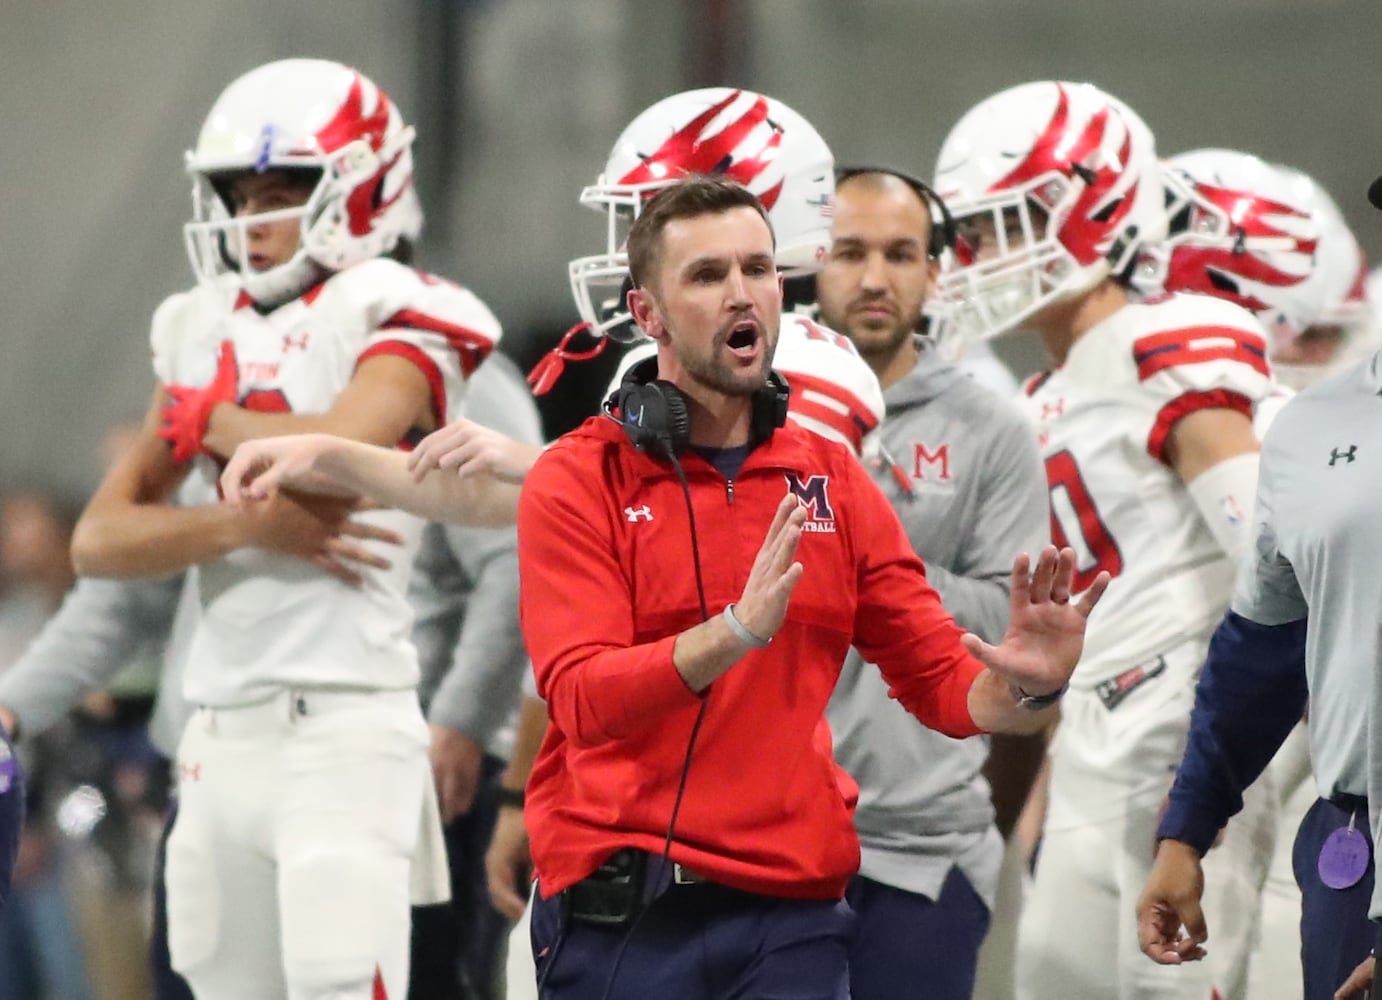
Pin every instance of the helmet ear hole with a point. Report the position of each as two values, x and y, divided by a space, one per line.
1221 282
1106 212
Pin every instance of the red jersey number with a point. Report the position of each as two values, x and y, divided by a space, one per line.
1071 503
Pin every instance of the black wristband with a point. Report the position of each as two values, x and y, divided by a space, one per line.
511 797
1036 702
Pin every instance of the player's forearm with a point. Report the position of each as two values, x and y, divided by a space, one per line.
131 540
231 426
382 475
993 707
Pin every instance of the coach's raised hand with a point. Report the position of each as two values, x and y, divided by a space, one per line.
1041 646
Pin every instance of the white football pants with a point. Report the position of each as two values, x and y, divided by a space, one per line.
1110 771
289 863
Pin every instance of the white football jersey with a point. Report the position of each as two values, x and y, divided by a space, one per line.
270 622
834 391
1103 420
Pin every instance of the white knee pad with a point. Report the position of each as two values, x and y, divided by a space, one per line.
194 901
345 914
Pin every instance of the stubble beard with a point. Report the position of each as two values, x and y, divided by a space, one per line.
715 374
878 344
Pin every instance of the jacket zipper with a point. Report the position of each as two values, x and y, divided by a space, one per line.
729 490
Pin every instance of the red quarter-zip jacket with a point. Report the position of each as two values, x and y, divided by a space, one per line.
608 582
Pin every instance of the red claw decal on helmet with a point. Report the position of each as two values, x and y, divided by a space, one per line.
350 123
1094 218
1215 270
687 151
360 204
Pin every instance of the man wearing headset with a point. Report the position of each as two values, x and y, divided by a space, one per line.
688 822
962 471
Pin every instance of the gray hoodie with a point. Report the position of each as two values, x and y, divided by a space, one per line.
976 496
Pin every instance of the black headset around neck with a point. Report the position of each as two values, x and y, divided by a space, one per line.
654 414
942 222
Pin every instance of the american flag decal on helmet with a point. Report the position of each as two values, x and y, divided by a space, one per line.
690 151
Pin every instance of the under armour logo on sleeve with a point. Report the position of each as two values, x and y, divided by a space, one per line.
636 514
1341 454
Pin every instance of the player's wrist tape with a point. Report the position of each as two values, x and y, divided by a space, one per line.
1036 701
509 797
741 632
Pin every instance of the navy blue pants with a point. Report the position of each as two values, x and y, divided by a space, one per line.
1335 933
699 942
908 945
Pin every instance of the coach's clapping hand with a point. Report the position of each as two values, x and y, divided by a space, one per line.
762 607
703 653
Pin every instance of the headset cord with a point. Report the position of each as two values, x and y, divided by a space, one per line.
665 858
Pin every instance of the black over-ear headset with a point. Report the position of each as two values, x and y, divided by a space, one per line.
654 414
942 222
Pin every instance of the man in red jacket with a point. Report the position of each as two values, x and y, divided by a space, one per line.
690 831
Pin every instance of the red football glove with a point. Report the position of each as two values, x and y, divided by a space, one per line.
185 418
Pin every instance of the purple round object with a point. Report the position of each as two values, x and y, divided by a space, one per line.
1344 858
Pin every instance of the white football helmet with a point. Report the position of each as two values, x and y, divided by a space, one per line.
1349 315
1341 262
1053 186
755 140
303 114
1243 230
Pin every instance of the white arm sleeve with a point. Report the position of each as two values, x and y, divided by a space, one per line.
1224 495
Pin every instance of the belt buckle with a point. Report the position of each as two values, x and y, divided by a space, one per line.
681 876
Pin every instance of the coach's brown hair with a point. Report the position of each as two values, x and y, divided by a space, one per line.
693 196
